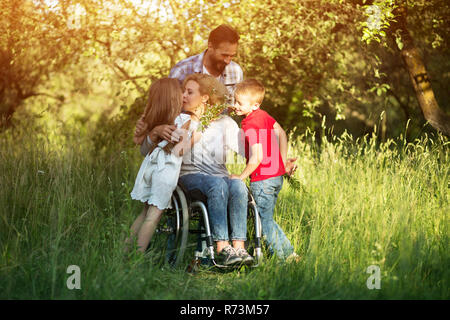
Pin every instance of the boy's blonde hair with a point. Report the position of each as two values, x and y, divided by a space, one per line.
210 86
251 87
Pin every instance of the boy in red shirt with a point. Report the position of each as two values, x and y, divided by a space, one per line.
266 154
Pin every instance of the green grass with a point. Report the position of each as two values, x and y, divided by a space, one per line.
361 203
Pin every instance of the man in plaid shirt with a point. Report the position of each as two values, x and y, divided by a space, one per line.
216 60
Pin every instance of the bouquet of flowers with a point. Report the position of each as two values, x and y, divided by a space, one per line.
294 183
212 112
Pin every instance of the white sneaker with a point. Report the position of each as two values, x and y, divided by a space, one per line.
228 256
245 256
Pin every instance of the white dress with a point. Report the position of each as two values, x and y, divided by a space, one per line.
159 172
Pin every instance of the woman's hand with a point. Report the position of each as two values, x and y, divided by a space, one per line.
178 135
235 176
183 144
165 132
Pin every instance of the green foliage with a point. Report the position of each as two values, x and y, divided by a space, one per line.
212 113
294 52
116 133
31 48
379 15
293 182
66 173
362 203
308 54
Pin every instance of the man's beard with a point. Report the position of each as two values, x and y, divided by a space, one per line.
219 66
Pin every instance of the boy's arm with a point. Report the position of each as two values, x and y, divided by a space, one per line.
256 156
289 164
282 141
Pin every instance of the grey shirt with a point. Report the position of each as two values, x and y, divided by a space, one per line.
209 154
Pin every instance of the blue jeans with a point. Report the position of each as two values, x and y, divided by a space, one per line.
265 193
222 193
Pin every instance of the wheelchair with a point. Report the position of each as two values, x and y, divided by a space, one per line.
183 235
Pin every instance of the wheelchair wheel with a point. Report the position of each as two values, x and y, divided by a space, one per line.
254 231
168 245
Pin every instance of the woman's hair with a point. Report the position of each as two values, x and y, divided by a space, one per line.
210 86
164 103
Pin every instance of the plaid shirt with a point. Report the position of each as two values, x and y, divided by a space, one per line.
231 75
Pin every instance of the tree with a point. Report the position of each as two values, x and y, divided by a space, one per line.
298 50
138 41
418 74
31 48
392 17
308 54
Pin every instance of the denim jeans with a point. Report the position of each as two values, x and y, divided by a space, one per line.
224 196
265 193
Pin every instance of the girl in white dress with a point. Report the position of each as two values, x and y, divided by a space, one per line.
158 175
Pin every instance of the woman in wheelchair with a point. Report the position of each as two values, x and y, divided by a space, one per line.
203 168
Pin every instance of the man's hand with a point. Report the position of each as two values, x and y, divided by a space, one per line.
235 176
290 166
141 127
138 140
139 133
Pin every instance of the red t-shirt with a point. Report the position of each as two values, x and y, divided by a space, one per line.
258 128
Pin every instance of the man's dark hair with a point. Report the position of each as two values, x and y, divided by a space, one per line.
223 33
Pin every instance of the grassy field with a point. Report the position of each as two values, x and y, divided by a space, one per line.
361 203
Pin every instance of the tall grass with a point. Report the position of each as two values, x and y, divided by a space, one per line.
361 203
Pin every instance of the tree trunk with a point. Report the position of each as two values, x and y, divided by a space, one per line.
6 117
418 75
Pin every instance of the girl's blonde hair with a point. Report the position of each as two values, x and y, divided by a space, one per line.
164 103
209 86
